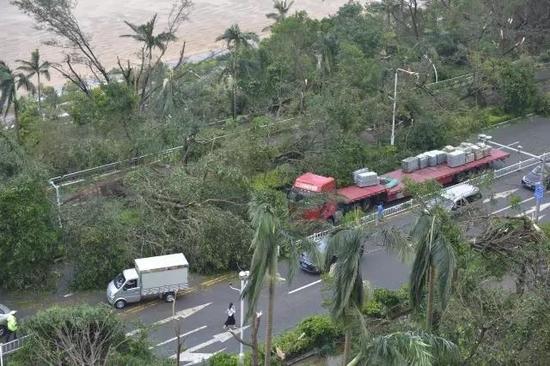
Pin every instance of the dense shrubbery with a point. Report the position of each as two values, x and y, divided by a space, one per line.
386 303
81 335
28 229
318 331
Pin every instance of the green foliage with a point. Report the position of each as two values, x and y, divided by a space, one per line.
385 303
29 241
223 359
542 105
427 134
318 331
516 85
97 243
81 334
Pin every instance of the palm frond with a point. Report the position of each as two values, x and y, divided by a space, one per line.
24 82
444 261
347 283
265 244
396 241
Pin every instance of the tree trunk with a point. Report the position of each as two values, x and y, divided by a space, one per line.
234 87
39 95
347 347
255 326
16 117
270 306
429 308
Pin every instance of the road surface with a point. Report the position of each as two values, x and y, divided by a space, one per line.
203 312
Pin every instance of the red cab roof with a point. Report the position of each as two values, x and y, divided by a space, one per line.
315 183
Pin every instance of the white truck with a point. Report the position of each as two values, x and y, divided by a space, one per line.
160 276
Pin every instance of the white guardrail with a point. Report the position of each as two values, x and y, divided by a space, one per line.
10 347
408 205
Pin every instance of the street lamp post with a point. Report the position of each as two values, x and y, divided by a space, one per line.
433 65
243 276
542 184
392 139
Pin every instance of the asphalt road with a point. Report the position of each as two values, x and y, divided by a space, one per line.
203 312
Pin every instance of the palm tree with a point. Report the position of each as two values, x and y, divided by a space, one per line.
267 238
434 262
346 283
144 33
34 67
407 348
282 8
236 40
9 84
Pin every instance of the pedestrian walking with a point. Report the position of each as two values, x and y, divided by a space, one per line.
379 212
230 322
12 326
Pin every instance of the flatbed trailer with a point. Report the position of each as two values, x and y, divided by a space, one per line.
390 189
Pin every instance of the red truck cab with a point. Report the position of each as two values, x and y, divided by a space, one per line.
315 188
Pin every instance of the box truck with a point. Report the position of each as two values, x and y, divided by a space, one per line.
160 276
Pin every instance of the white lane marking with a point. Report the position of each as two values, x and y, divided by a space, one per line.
304 287
543 207
197 358
510 206
179 315
220 337
183 335
498 195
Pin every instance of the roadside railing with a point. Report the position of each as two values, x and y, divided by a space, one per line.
10 347
408 205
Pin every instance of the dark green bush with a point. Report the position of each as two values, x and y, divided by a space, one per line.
314 332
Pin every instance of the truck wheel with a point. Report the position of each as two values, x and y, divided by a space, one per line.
120 304
3 331
169 297
461 177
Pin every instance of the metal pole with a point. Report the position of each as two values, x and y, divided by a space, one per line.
1 354
58 202
392 140
243 275
543 166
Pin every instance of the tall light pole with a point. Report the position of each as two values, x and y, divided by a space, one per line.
433 65
392 139
542 185
243 276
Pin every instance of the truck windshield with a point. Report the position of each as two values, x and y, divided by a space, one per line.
297 194
119 280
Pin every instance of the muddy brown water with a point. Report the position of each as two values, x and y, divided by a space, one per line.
103 21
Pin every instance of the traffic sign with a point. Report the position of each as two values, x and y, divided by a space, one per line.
539 192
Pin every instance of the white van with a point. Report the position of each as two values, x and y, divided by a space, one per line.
456 197
160 276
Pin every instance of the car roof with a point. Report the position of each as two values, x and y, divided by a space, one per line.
460 191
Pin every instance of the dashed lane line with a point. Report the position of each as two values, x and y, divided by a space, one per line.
183 335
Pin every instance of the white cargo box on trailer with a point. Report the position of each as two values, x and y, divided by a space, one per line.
166 272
